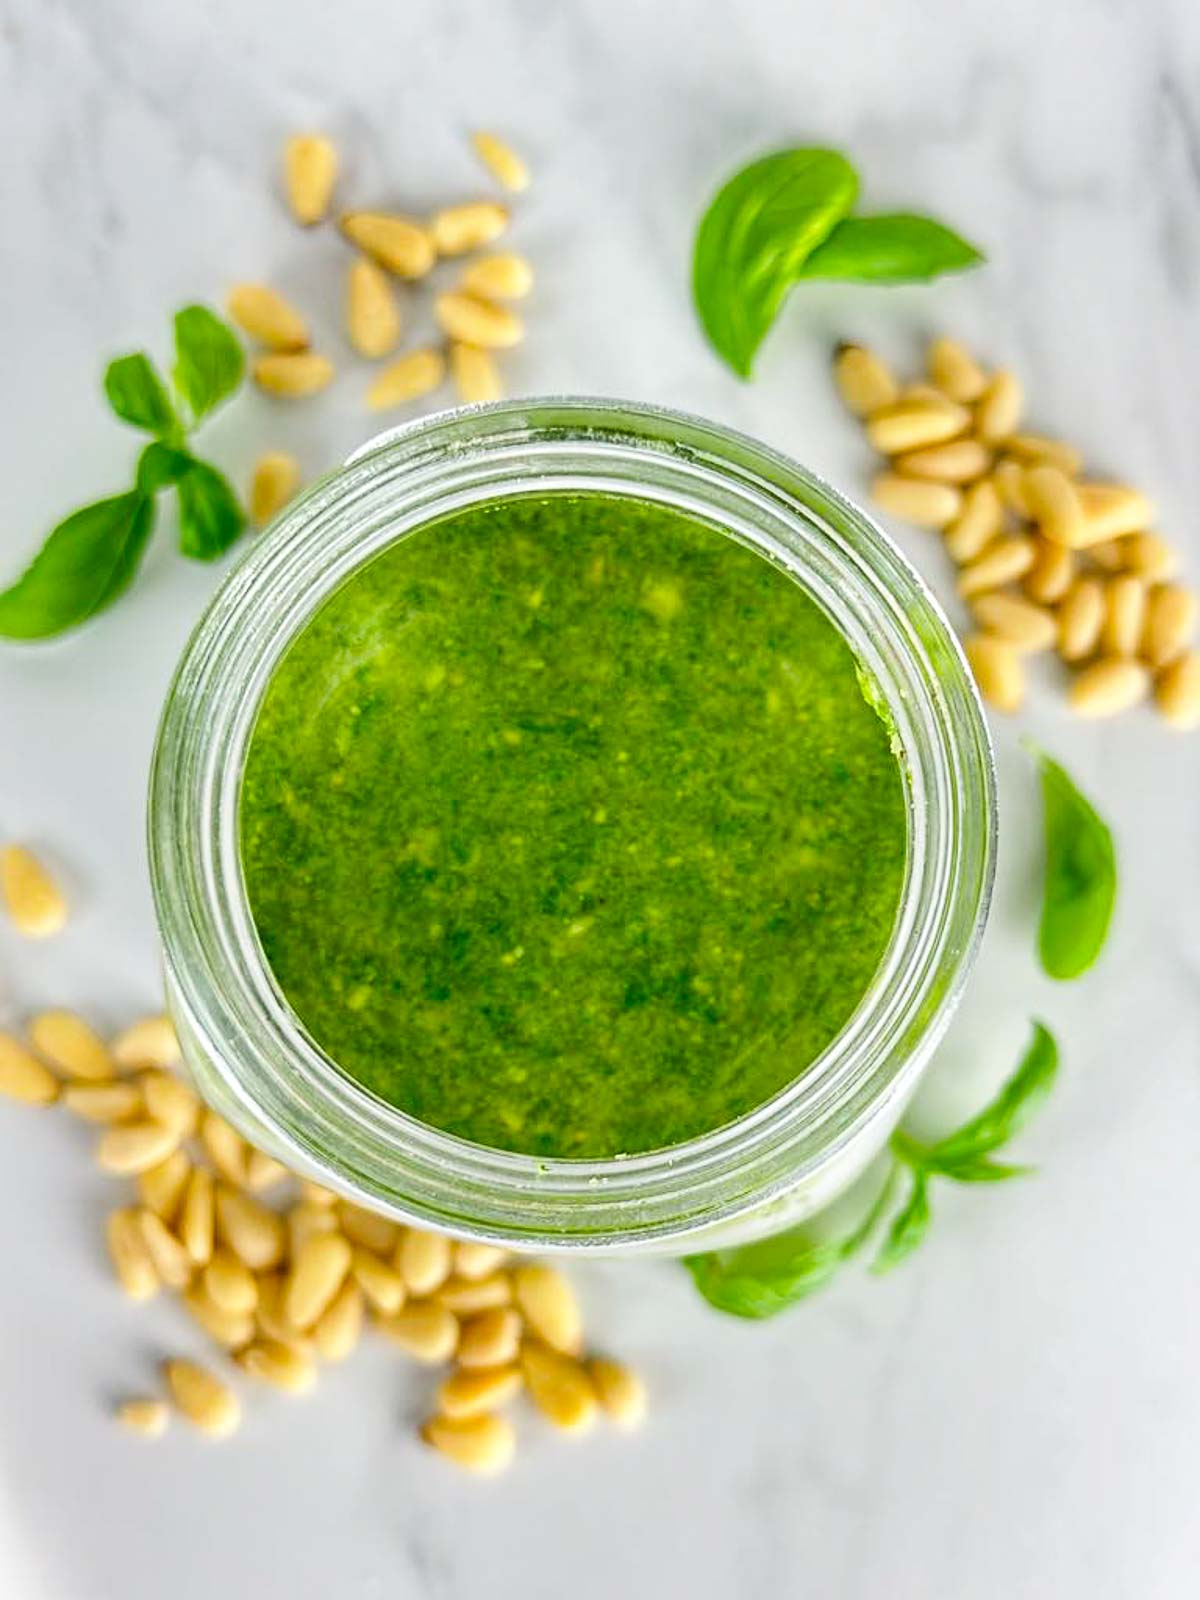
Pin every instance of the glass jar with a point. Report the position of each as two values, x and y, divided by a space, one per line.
249 1054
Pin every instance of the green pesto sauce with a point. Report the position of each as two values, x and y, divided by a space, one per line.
566 827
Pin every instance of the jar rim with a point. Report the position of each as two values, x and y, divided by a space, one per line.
258 1062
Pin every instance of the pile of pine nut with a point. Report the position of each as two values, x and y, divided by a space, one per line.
280 1273
1047 560
390 249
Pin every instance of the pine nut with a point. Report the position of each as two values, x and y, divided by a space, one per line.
1000 406
146 1417
476 376
382 1285
955 371
977 524
337 1330
197 1220
1110 685
1003 561
1028 628
474 1260
1080 618
549 1306
275 481
269 1313
375 1233
67 1043
293 377
960 461
303 1221
129 1147
1051 574
413 376
1009 478
201 1397
130 1255
265 315
865 383
400 244
1113 509
923 394
1150 556
255 1235
171 1260
162 1186
226 1149
927 505
477 1444
32 898
228 1328
103 1102
423 1260
281 1365
1035 451
502 161
559 1387
23 1077
502 276
315 1195
310 165
491 1339
481 1294
318 1271
457 229
470 320
1054 501
997 668
468 1394
170 1101
621 1393
372 311
1171 614
229 1284
1109 554
150 1042
264 1172
1178 691
911 425
1124 615
426 1332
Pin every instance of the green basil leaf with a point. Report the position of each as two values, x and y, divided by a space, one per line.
891 249
909 1226
208 359
754 238
138 395
981 1170
1006 1115
1080 887
210 518
161 465
85 563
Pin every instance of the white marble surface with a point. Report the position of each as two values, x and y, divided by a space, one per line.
1017 1411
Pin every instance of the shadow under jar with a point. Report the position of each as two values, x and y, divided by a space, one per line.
572 826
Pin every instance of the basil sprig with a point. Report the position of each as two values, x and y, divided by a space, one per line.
761 1279
786 218
1080 886
92 556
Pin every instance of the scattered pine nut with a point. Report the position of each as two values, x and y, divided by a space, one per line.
475 374
1020 623
928 505
148 1418
959 461
1003 561
373 1232
401 244
23 1077
1171 614
162 1186
197 1219
372 310
226 1149
303 1221
468 1394
415 375
275 481
1124 615
129 1147
255 1234
470 320
67 1043
503 276
229 1284
996 665
1113 509
621 1393
1054 502
229 1328
423 1260
955 371
1178 691
559 1387
310 165
1150 556
281 1365
337 1330
1035 451
457 229
865 383
1110 685
1000 406
293 377
502 161
170 1101
467 1296
911 425
423 1330
315 1195
549 1306
1051 574
32 898
475 1260
977 524
490 1339
266 316
103 1102
1009 479
130 1255
263 1172
381 1283
269 1313
171 1260
201 1397
1109 554
1080 619
477 1444
150 1042
318 1270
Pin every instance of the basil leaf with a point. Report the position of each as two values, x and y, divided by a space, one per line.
891 249
981 1170
85 563
208 359
1006 1115
139 396
159 466
909 1226
210 517
754 238
1080 887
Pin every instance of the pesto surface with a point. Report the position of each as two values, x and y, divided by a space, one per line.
567 829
